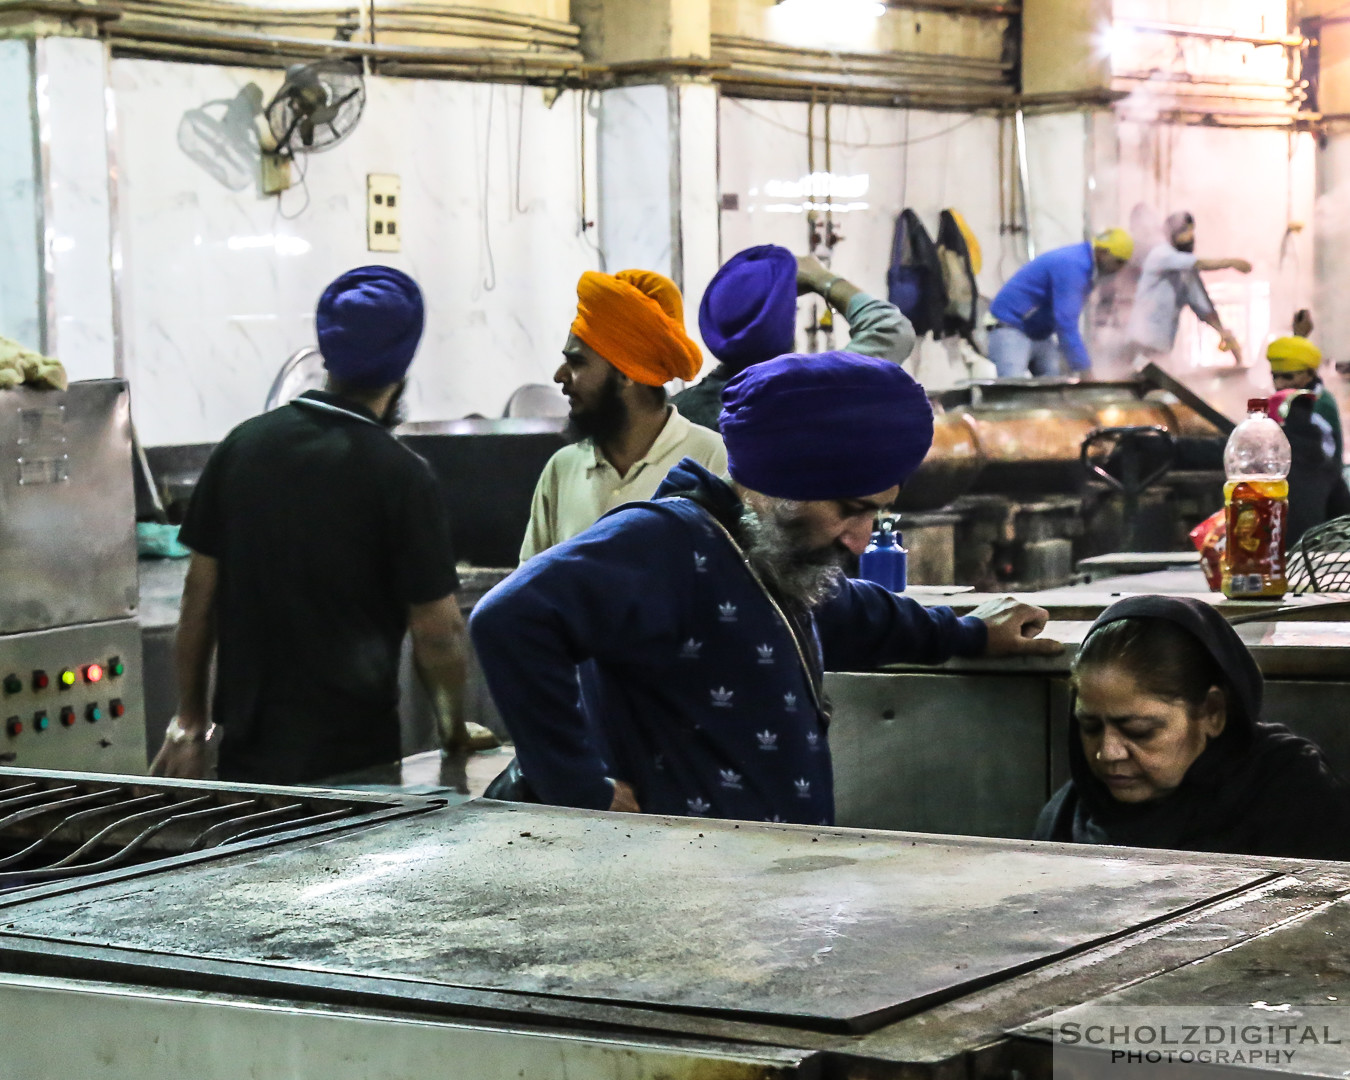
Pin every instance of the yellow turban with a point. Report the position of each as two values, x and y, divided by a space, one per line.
1116 242
635 320
1288 354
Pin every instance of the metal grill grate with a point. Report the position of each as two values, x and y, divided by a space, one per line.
55 827
1320 561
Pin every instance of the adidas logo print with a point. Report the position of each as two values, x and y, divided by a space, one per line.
691 649
698 806
730 779
765 654
803 788
768 740
721 698
790 702
700 563
726 612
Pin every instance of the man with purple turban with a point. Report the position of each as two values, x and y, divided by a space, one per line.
705 619
749 315
318 540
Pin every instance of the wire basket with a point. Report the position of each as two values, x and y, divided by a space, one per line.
1320 561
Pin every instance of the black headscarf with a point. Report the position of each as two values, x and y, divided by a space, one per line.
1256 789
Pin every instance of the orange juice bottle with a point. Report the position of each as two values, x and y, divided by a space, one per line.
1256 500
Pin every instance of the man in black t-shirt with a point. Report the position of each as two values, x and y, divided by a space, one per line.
318 541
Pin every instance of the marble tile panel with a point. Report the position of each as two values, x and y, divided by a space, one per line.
219 285
698 194
71 92
638 131
883 160
20 200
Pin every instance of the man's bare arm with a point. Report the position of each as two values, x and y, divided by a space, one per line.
183 753
441 655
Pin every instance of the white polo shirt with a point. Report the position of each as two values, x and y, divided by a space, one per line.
579 485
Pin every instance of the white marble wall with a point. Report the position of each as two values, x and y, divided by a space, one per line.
637 146
73 121
218 286
1057 161
700 247
20 200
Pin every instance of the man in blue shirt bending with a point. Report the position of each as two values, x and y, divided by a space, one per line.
703 620
1038 310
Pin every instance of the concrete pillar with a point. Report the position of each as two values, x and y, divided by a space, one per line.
1063 50
633 31
56 212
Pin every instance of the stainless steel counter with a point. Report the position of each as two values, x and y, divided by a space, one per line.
536 942
978 746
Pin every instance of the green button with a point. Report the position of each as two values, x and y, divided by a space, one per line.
94 713
13 684
117 668
40 721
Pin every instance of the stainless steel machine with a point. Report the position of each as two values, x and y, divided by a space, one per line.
413 940
70 644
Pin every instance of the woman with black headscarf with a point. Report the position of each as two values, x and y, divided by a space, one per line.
1167 749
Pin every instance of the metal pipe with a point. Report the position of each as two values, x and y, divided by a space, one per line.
1211 33
1024 177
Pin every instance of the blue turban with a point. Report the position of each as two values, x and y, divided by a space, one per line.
369 322
830 426
749 310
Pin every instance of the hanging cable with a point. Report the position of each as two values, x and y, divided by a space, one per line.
488 285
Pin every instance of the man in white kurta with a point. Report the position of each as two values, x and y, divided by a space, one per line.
627 342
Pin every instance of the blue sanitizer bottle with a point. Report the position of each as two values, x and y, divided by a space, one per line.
885 559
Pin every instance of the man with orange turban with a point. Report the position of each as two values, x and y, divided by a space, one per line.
627 341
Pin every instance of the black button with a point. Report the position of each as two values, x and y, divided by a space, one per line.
93 713
13 684
67 715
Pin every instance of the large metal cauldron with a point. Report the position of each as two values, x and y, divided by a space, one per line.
1023 436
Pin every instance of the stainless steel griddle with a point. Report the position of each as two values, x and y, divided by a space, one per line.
768 950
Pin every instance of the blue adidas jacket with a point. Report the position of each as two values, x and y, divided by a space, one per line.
1046 296
695 690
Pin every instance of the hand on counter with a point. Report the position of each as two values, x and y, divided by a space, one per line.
625 799
1015 628
184 755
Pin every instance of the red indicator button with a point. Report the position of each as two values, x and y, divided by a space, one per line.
40 680
14 726
116 708
93 673
68 715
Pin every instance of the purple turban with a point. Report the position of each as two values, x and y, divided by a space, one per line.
369 322
831 426
749 310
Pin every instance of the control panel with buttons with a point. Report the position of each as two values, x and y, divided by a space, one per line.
51 680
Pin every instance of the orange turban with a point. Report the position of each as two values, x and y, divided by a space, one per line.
635 320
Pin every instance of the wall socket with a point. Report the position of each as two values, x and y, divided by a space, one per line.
384 207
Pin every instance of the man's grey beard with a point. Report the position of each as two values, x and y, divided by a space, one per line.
773 544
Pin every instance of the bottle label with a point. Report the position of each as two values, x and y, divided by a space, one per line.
1254 558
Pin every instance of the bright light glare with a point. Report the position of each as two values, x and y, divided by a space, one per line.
846 24
282 245
1109 39
820 185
